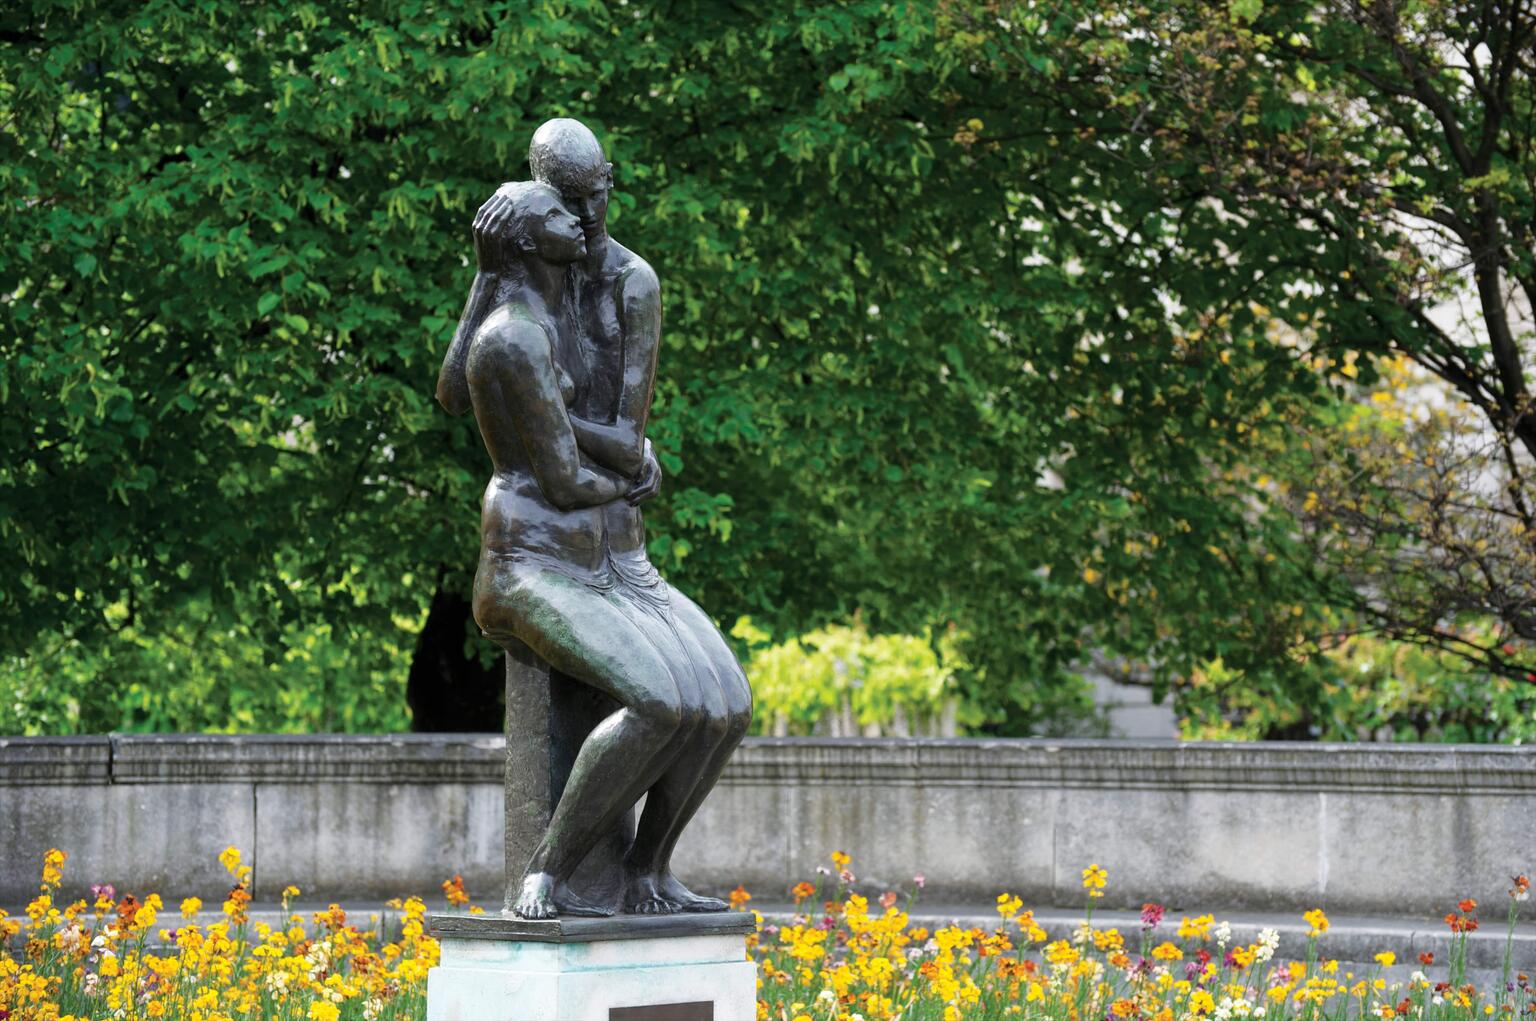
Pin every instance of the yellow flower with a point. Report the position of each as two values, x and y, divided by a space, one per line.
1094 879
1008 905
53 868
1200 1002
1198 927
1386 959
230 858
1166 951
323 1010
840 859
1317 920
190 907
1060 952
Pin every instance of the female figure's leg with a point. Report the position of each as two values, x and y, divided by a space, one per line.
585 633
687 781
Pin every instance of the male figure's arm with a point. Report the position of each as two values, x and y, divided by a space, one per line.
621 446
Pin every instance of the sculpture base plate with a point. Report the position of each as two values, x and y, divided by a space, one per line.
503 968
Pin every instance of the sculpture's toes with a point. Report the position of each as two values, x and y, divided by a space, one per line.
533 907
656 906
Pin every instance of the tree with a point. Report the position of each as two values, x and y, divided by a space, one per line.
1338 171
919 358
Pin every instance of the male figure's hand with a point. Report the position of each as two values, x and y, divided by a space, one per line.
489 221
649 482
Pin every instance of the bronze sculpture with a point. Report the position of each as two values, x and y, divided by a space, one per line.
556 355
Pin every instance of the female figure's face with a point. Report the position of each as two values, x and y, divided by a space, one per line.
556 234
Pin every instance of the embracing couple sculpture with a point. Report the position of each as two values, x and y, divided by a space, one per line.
556 355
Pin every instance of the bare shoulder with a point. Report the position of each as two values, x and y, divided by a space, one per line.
637 283
506 336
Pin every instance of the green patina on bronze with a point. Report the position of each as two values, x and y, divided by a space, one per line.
556 355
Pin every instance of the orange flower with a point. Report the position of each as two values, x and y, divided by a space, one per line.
453 890
1461 923
803 890
739 898
1467 905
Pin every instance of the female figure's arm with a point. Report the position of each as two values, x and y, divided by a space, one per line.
621 446
514 386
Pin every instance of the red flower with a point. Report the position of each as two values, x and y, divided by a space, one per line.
1461 923
1467 905
1426 958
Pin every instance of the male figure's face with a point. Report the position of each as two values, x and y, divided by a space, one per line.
586 195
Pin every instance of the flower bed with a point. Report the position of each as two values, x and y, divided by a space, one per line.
840 959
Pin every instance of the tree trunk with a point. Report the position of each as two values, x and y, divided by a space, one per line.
447 690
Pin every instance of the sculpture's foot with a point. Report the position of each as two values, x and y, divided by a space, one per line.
643 896
543 897
568 903
685 898
538 897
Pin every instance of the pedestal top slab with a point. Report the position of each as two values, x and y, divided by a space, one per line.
588 930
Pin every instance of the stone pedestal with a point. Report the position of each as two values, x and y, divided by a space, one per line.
627 968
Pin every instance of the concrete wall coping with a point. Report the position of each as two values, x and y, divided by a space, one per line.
929 762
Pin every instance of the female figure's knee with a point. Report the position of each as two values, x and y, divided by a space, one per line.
739 698
661 711
695 716
737 723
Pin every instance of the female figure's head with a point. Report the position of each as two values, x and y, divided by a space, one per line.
519 231
523 222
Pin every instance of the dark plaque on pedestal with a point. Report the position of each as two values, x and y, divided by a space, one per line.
702 1010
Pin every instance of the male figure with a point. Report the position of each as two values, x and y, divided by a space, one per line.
608 344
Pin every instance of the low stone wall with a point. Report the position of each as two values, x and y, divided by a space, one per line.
1369 829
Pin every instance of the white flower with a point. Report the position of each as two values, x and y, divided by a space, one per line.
1223 933
1417 977
1258 1011
826 996
1082 934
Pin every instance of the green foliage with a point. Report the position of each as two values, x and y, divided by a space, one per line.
941 347
1365 689
206 674
891 683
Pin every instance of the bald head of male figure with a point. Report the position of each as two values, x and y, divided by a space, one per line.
566 155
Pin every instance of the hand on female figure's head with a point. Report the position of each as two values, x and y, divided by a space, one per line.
490 223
